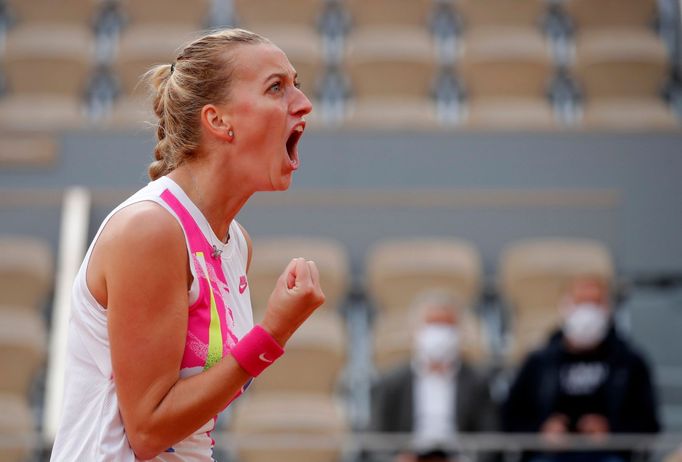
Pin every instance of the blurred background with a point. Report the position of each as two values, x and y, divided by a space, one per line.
490 148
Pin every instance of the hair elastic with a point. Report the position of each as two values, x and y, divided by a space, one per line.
256 351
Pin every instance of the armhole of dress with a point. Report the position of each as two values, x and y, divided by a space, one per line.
242 246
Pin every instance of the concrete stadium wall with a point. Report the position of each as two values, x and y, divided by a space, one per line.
359 187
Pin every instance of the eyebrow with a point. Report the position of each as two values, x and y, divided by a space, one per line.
281 75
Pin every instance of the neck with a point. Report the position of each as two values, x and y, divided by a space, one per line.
208 191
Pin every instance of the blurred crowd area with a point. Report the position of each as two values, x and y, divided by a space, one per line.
496 65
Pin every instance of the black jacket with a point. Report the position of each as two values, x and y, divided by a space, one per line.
631 399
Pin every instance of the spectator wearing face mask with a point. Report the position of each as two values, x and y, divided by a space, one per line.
586 380
437 394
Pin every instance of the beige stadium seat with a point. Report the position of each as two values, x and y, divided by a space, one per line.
403 13
510 114
142 47
534 275
26 271
620 63
22 348
505 62
318 421
486 13
302 13
399 269
48 58
17 429
315 356
303 47
170 12
631 114
50 11
383 62
393 113
272 255
27 149
587 14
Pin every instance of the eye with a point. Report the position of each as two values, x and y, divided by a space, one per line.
275 87
297 84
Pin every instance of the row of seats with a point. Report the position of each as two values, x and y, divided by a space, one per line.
391 65
26 273
299 394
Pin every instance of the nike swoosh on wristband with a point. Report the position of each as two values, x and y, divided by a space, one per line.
263 358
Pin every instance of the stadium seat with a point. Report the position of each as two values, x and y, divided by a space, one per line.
487 13
26 272
26 149
620 63
390 62
509 62
16 428
272 255
402 13
631 114
141 47
301 13
267 417
80 12
23 341
588 14
48 58
315 356
180 13
533 277
399 269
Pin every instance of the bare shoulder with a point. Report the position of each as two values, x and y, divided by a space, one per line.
143 224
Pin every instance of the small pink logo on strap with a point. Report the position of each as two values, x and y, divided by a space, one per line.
242 284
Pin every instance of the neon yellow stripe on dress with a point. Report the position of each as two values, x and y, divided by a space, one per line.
215 336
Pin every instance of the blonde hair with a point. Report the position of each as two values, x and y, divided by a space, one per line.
201 75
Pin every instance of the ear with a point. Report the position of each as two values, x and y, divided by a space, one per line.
216 122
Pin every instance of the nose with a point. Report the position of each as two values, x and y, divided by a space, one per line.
300 105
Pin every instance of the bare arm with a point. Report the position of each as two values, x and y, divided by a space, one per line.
145 273
146 284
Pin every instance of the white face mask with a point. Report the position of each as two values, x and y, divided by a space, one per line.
585 324
436 343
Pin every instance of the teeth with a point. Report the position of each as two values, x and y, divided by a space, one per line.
299 129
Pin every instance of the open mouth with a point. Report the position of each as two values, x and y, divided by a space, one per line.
292 143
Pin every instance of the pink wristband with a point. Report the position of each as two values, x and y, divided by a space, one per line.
256 351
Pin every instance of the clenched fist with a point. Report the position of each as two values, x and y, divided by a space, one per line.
296 295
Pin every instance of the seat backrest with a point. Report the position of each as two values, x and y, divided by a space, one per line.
26 271
368 13
484 13
23 340
271 255
588 14
399 269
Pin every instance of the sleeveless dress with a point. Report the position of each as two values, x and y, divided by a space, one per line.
220 314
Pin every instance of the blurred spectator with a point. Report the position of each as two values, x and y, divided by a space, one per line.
586 380
436 394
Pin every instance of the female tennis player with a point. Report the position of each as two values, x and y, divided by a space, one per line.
161 337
